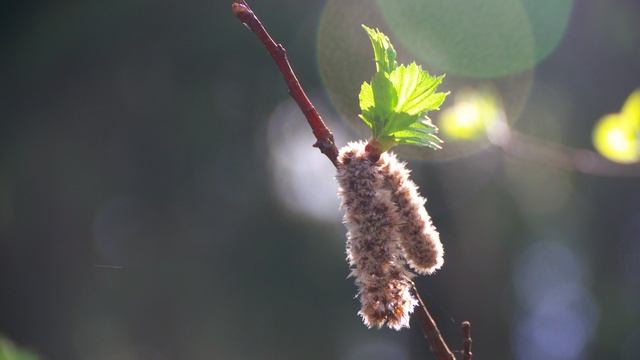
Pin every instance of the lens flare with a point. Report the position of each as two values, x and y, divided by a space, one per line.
480 39
558 315
472 114
298 167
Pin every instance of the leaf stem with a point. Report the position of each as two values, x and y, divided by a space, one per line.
374 150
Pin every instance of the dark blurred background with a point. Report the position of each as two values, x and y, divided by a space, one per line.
159 198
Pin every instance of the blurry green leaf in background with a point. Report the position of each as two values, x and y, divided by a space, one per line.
8 351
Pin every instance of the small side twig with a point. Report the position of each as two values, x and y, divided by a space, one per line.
516 144
466 346
326 144
564 157
324 137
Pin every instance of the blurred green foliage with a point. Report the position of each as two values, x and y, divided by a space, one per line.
9 351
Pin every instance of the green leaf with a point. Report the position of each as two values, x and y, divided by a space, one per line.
366 96
421 133
419 141
377 102
384 53
399 121
436 100
395 103
415 89
384 95
367 105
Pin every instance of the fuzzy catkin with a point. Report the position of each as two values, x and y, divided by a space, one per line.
388 228
420 241
384 285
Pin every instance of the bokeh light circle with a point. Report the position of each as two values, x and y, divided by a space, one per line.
484 39
617 136
558 315
297 166
345 58
616 139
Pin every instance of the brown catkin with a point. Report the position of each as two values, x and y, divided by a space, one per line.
383 282
420 241
388 227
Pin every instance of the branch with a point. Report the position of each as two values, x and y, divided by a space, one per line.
326 144
430 329
324 137
526 147
466 347
565 157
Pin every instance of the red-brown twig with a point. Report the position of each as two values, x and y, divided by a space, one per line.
430 330
326 144
324 137
466 346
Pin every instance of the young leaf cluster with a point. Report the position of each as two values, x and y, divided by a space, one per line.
394 105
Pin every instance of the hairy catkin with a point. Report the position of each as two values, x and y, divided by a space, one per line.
387 228
420 241
372 250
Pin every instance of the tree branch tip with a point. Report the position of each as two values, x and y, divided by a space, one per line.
241 2
466 329
241 10
466 348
